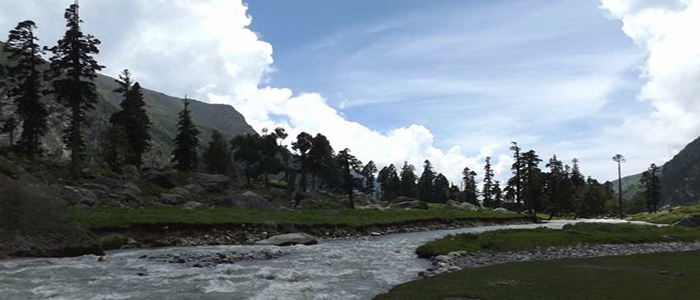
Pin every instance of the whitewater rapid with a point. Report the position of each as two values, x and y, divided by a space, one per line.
340 269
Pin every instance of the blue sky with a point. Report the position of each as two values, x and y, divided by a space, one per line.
451 81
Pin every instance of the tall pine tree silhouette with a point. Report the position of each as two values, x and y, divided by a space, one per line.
72 71
132 118
25 76
186 142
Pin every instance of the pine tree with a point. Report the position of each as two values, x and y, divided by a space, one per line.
114 147
389 182
470 189
349 164
497 194
186 142
72 71
368 172
25 59
441 188
217 156
576 177
533 181
425 183
320 158
133 118
651 183
408 177
487 188
303 145
517 181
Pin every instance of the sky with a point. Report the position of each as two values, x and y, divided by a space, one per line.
404 80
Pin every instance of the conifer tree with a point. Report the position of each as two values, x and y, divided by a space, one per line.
497 194
216 156
72 71
517 181
349 164
25 59
441 188
470 188
132 118
268 150
186 142
425 183
114 147
533 181
368 172
487 188
320 158
651 183
576 177
303 145
408 177
389 182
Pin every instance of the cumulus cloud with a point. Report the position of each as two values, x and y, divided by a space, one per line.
206 49
667 30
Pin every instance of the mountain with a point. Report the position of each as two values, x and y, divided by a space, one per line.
680 183
161 108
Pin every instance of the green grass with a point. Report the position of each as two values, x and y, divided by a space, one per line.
637 277
581 233
669 217
122 218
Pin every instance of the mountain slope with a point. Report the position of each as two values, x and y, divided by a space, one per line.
162 109
681 181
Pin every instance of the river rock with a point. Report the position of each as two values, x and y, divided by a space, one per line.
171 199
689 221
33 223
289 240
247 200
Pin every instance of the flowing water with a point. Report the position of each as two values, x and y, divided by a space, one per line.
343 269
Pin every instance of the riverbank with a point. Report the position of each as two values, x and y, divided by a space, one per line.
163 226
571 235
640 277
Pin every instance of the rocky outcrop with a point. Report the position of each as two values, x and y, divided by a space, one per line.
247 200
289 239
216 183
33 223
171 199
159 179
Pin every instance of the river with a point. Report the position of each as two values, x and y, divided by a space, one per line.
334 269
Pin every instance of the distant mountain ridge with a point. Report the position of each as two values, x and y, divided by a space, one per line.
162 109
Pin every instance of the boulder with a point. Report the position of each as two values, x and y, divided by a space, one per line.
376 207
106 181
409 204
171 199
213 182
363 199
180 191
130 172
126 195
289 239
33 223
95 187
247 200
132 187
501 209
193 205
403 199
194 189
454 205
79 196
159 179
689 221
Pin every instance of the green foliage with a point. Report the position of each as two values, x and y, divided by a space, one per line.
668 216
25 76
389 182
122 218
72 71
425 182
186 142
409 185
216 157
246 151
625 277
487 187
303 145
581 233
133 119
149 189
